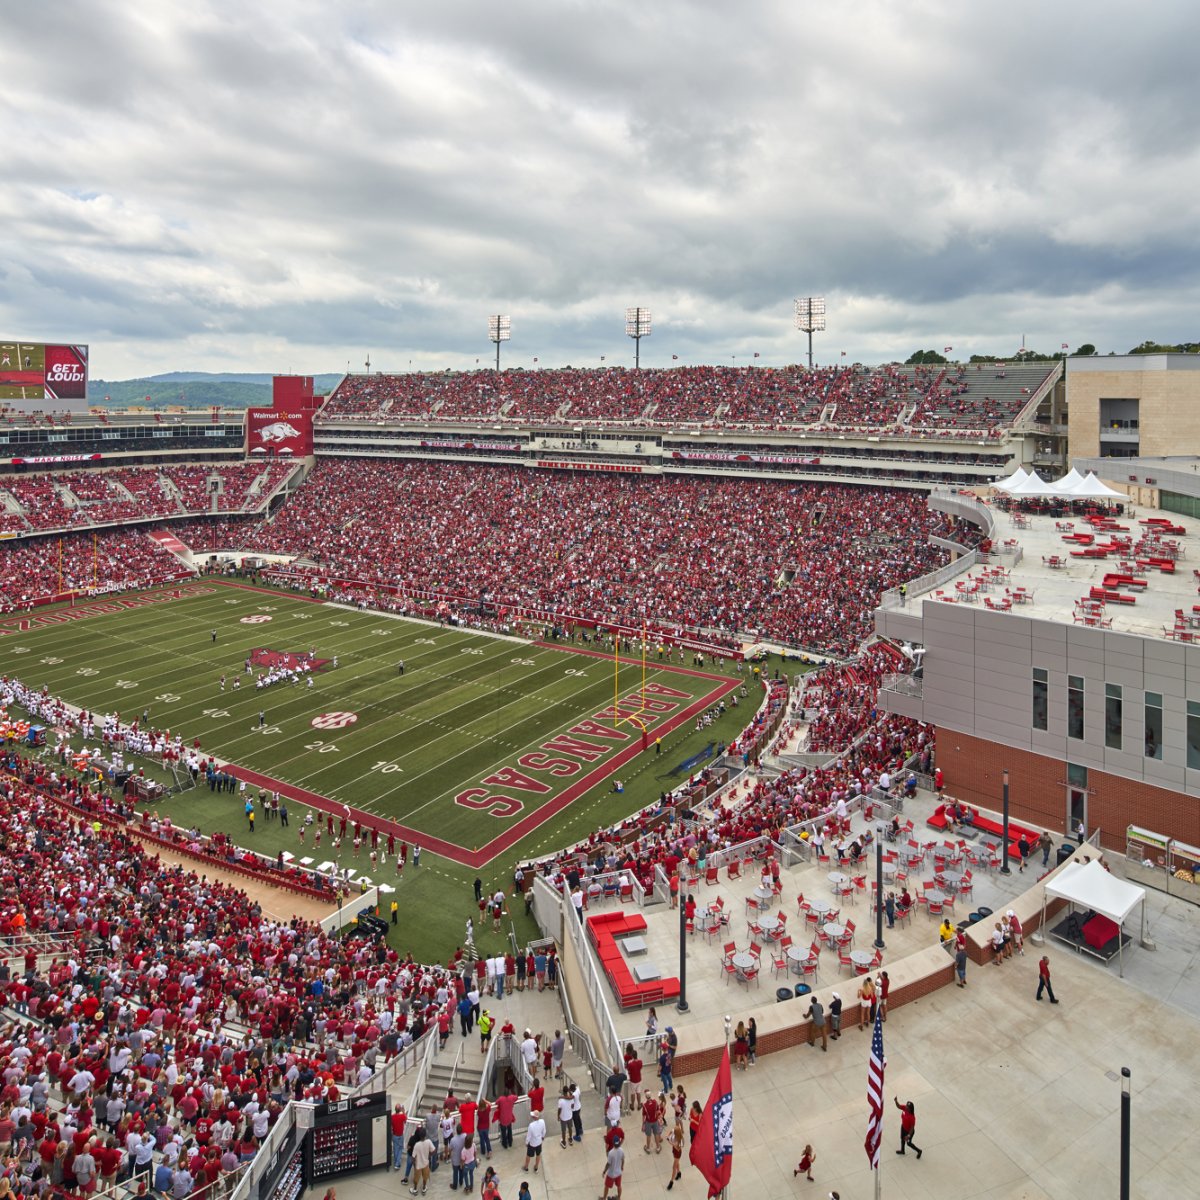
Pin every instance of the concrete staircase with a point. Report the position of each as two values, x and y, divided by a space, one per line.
466 1079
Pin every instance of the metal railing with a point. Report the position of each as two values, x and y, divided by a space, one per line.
462 1045
258 1166
581 1041
418 1088
928 582
597 986
396 1067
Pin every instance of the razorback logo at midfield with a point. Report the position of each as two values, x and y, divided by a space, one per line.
290 660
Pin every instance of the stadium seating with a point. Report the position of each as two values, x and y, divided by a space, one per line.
80 499
955 399
801 563
109 561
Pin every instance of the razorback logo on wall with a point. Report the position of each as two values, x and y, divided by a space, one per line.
276 431
66 372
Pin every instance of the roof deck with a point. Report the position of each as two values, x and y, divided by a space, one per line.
1132 573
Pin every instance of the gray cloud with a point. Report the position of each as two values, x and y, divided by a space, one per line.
292 185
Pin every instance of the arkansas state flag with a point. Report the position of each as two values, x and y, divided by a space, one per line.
712 1151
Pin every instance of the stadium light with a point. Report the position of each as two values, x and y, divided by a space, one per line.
810 319
499 330
637 326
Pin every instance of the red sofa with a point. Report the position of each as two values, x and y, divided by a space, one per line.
987 825
603 930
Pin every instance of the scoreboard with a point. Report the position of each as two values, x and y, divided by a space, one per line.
34 375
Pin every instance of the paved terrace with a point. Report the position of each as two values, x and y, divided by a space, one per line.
1056 590
1014 1098
711 992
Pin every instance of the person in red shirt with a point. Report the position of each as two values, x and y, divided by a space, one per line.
537 1095
633 1069
505 1114
399 1125
652 1123
466 1116
483 1123
908 1126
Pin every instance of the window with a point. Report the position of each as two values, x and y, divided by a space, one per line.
1193 734
1154 725
1041 698
1077 776
1075 706
1112 716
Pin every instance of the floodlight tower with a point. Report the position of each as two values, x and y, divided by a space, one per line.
499 330
810 319
637 326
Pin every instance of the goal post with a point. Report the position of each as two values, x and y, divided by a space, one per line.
624 716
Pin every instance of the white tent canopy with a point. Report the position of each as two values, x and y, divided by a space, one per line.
1015 479
1034 485
1091 488
1069 481
1090 886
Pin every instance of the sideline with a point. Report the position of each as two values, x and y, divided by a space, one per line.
391 616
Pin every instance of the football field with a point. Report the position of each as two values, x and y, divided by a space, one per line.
480 747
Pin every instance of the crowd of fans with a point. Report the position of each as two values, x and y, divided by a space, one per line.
889 397
78 499
163 1020
112 560
802 563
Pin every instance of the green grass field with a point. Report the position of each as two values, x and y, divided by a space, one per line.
485 750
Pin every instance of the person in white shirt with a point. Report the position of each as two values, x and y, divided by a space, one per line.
564 1120
535 1135
529 1049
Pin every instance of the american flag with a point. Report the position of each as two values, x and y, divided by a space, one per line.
947 349
1065 345
875 1093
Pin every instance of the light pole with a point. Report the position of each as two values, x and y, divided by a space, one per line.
682 1004
1125 1115
499 330
879 943
637 326
810 319
1004 869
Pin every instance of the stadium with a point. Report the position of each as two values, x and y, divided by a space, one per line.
555 678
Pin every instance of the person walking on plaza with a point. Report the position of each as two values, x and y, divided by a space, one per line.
675 1140
535 1135
1044 984
1046 842
908 1126
614 1167
804 1167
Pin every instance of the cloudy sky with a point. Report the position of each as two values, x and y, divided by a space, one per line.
296 184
